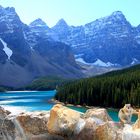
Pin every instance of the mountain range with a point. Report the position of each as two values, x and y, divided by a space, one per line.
108 41
31 51
27 53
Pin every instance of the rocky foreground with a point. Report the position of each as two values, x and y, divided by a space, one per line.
62 123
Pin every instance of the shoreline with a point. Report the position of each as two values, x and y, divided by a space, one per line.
18 91
21 91
28 91
54 101
88 107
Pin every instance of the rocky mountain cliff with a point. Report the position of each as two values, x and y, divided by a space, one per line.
27 52
31 51
108 41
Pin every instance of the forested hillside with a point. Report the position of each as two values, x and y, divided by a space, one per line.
46 83
40 84
113 89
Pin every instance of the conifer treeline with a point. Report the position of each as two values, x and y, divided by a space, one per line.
113 89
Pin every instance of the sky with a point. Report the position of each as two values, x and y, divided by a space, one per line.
74 12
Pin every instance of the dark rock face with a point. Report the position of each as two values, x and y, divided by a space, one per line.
33 52
11 31
62 30
109 39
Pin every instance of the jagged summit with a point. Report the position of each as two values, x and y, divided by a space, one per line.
9 20
10 9
1 7
7 9
116 19
138 27
115 16
61 23
34 52
118 15
8 13
111 41
38 22
61 28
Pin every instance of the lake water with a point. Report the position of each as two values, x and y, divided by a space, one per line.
112 113
26 101
35 101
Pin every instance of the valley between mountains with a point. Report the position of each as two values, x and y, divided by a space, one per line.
29 52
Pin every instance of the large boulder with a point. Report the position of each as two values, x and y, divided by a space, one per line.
34 122
130 134
7 127
96 129
3 112
98 113
63 121
108 131
88 132
95 124
137 123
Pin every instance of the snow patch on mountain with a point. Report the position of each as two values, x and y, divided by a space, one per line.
134 61
81 60
7 50
78 55
98 62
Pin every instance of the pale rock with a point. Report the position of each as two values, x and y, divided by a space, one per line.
45 136
109 131
137 123
98 113
34 122
7 127
99 130
88 133
79 126
62 120
62 123
130 134
3 112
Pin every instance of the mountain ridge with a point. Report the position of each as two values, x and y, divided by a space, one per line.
104 39
34 53
38 50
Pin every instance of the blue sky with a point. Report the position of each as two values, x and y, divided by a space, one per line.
74 12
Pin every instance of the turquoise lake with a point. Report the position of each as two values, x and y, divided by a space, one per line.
36 101
29 101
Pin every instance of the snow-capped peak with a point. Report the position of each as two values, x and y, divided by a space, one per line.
38 23
7 50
